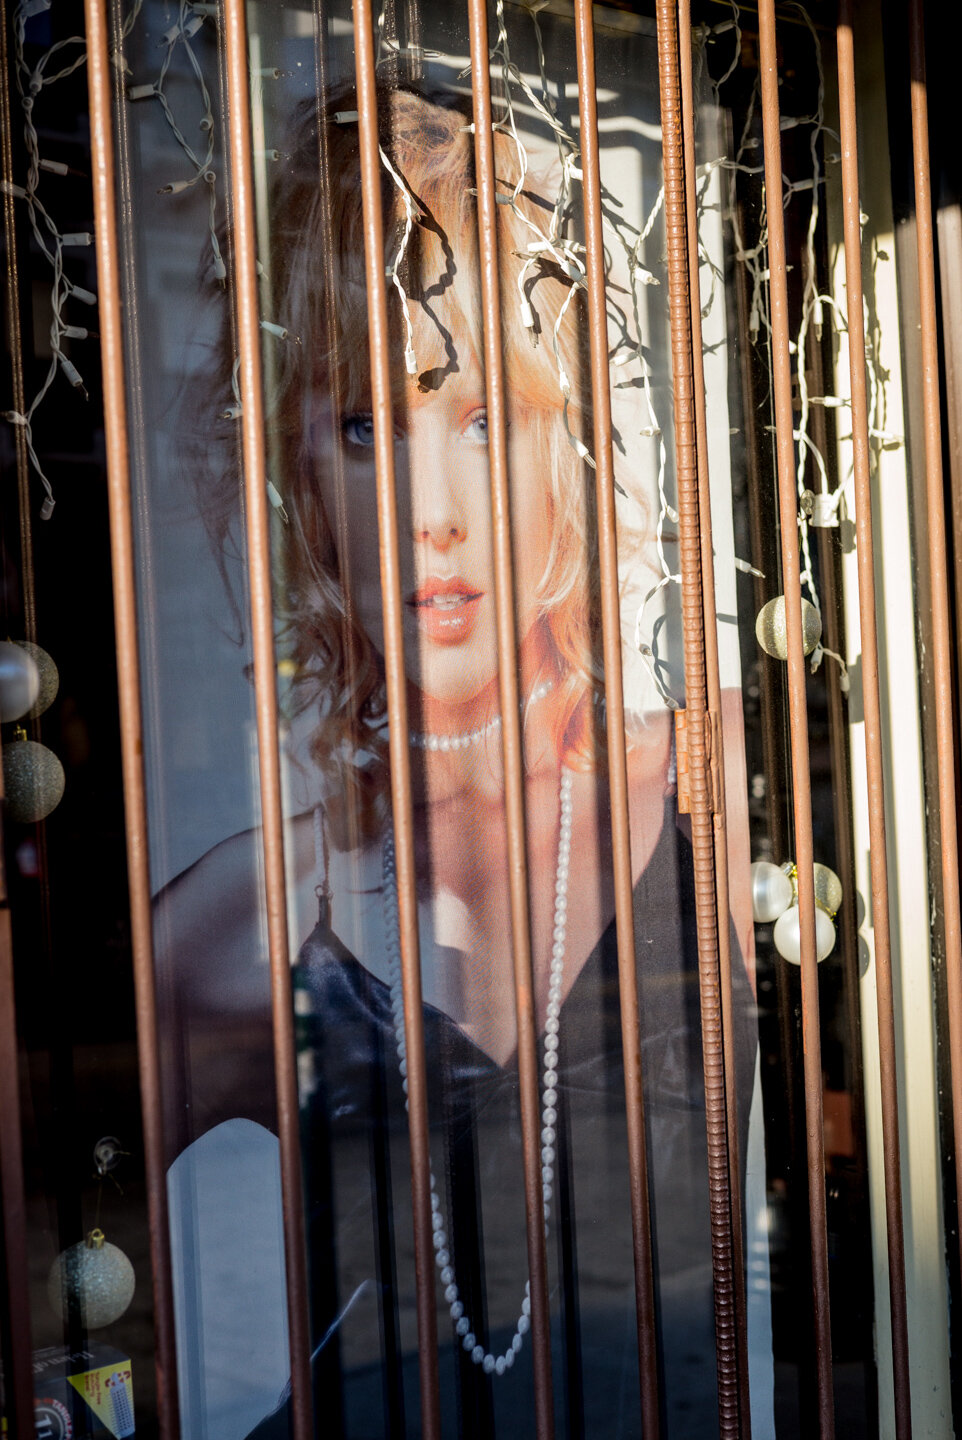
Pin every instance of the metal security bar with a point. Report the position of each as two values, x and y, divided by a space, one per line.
131 729
513 748
873 717
262 634
618 760
701 727
698 617
798 711
401 801
938 570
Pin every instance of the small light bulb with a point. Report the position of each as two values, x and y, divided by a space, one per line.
772 892
787 935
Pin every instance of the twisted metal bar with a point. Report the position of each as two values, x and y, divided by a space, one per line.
698 721
714 694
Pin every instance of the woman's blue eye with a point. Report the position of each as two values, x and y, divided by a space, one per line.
358 429
477 428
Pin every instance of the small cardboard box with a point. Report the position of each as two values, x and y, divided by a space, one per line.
81 1394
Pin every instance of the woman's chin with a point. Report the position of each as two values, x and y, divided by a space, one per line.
447 701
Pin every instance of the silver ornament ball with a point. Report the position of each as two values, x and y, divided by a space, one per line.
95 1274
19 681
771 628
33 781
49 677
772 892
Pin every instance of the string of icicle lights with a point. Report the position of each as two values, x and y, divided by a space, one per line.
201 165
552 243
819 503
54 64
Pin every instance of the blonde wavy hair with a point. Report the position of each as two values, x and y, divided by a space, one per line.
319 292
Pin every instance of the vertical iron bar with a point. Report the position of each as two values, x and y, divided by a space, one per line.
615 709
848 125
14 339
15 1323
511 717
402 805
262 639
938 573
16 1349
798 714
714 694
123 563
696 712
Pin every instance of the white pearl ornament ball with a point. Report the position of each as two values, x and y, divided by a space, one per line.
772 892
98 1276
787 935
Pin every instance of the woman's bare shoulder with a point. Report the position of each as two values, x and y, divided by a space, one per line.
209 922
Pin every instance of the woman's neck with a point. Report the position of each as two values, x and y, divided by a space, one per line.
474 770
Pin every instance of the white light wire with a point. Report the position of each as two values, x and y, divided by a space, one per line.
31 82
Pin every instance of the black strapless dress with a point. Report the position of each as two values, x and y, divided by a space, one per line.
357 1180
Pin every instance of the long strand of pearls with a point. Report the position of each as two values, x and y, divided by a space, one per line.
420 741
489 1362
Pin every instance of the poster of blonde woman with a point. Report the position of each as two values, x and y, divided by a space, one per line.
342 874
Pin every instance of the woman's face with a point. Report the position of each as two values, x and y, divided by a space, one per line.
444 513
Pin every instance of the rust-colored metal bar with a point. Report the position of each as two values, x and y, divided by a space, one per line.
16 1346
123 562
938 573
871 700
615 708
495 387
401 800
265 694
14 340
714 694
696 708
798 714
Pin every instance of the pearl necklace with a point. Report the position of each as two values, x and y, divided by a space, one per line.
420 741
490 1363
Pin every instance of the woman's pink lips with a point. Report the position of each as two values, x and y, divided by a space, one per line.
446 610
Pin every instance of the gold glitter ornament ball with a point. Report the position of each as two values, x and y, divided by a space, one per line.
33 781
49 678
771 628
98 1276
828 889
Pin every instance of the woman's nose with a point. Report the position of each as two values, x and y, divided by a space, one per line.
437 516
